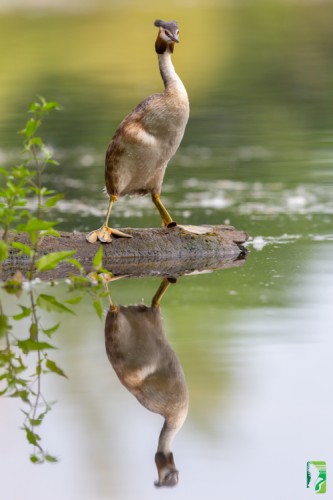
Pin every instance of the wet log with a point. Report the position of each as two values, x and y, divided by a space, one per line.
160 251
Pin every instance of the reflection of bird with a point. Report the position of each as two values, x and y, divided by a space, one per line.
148 367
147 138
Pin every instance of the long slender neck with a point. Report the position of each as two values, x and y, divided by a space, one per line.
172 424
167 434
169 76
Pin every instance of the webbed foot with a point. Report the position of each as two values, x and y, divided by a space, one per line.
196 229
104 235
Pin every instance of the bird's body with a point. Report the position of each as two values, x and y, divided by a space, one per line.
145 363
146 140
148 367
148 137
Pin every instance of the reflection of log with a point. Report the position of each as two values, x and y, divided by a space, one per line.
151 251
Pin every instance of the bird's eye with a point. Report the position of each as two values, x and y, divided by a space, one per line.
168 34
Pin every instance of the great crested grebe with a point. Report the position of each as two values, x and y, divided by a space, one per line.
148 367
147 138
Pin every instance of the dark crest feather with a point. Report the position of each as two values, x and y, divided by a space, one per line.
168 25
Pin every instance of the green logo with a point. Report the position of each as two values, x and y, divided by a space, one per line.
316 476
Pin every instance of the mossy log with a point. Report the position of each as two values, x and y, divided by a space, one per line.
159 251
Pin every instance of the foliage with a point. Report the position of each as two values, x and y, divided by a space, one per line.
23 188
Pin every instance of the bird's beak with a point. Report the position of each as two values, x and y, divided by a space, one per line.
175 38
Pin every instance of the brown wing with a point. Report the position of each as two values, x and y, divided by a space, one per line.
126 133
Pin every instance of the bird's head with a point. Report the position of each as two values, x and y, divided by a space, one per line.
167 35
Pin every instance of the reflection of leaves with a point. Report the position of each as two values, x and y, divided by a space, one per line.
22 394
33 345
51 260
13 286
22 182
50 303
4 325
53 367
98 259
26 311
49 331
32 437
50 458
74 300
98 308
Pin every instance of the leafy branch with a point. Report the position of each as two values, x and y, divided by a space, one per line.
22 184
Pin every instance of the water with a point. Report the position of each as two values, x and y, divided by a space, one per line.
254 341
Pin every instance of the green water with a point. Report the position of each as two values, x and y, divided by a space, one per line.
254 341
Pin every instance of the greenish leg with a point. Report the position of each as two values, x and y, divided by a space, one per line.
104 233
166 282
166 217
113 198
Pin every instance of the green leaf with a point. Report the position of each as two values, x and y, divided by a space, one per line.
31 127
21 366
42 100
51 105
34 106
52 162
33 345
98 259
33 330
75 263
3 250
53 367
13 286
25 249
36 141
50 232
35 225
3 172
49 331
34 422
32 437
74 300
50 458
23 394
34 459
50 303
51 260
26 311
51 202
4 325
98 308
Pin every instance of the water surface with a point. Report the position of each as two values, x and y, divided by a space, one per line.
254 341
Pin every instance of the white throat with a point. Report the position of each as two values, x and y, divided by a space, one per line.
170 78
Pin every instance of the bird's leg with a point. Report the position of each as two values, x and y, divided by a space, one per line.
166 282
104 233
166 217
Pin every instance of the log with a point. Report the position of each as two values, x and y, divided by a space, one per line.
159 251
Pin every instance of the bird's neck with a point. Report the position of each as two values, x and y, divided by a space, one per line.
171 80
170 428
167 435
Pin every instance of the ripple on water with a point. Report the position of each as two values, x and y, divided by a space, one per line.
247 198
